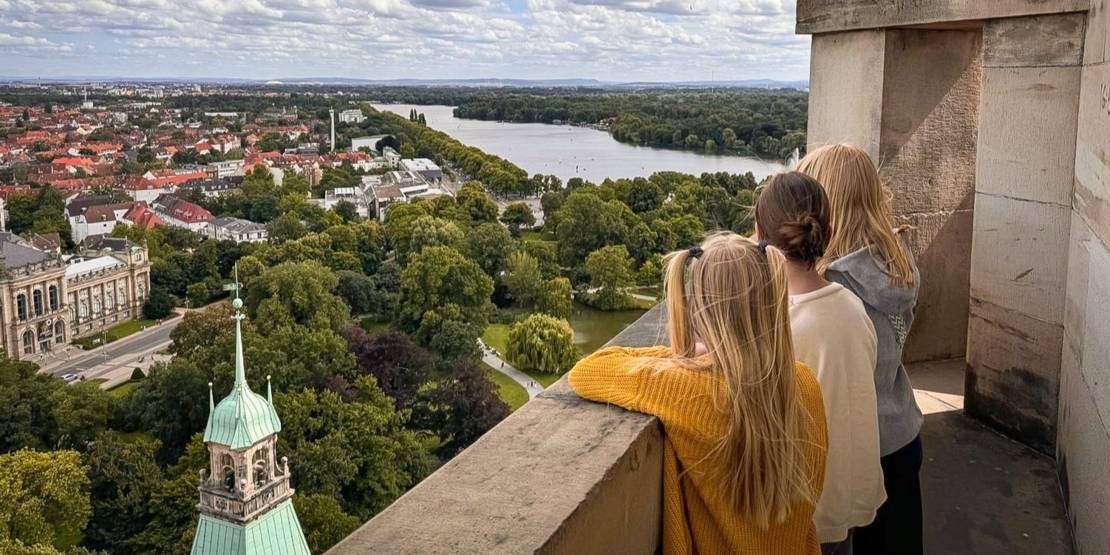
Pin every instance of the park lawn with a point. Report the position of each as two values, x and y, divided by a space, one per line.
123 389
511 392
114 333
497 336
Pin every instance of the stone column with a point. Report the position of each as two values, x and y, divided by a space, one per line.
910 97
1083 438
1024 174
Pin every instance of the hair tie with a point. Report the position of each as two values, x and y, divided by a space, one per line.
696 252
763 247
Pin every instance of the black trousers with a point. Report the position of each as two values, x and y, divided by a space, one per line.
896 529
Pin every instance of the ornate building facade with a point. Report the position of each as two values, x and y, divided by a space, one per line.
45 303
246 502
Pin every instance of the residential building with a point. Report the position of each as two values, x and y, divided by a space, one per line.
181 213
246 500
351 116
423 166
213 187
228 228
225 168
45 304
87 218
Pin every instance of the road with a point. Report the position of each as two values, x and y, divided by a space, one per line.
115 361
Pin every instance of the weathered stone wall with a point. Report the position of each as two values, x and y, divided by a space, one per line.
910 97
1026 153
1083 440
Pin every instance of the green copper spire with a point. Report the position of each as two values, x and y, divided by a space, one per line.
243 417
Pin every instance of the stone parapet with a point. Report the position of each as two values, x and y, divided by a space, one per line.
826 16
560 475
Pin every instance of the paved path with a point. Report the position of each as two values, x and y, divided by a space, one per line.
115 361
490 357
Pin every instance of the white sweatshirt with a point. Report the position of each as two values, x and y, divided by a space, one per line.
834 336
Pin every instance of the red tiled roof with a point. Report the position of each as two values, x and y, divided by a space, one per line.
183 210
143 217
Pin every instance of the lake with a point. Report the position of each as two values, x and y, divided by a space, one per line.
568 151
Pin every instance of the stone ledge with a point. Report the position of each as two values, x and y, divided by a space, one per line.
827 16
541 481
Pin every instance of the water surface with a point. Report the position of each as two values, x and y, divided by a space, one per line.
567 151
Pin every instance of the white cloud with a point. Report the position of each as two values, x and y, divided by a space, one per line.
605 39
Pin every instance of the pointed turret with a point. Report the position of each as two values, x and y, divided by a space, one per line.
246 502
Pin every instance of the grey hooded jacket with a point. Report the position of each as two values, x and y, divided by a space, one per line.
891 310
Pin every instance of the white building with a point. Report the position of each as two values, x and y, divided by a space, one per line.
351 116
353 195
98 219
370 143
397 186
228 228
226 168
423 166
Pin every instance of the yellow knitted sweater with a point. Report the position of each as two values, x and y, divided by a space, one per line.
697 517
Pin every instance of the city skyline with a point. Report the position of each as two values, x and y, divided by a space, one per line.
607 40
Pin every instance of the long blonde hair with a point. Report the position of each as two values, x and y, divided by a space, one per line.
732 297
861 215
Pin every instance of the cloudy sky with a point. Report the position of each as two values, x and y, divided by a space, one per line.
616 40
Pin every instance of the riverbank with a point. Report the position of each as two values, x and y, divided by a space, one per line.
568 151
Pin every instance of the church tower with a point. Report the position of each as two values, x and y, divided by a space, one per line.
246 504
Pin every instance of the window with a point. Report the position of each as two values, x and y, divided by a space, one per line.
21 306
96 305
37 301
53 297
59 332
110 304
84 308
28 342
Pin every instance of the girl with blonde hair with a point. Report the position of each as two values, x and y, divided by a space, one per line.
833 335
745 437
866 255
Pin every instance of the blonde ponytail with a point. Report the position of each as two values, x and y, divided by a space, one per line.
733 298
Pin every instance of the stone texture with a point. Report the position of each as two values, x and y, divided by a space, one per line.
1083 444
1027 126
1094 43
1013 373
1019 256
931 88
927 158
1092 153
846 81
824 16
1034 41
941 244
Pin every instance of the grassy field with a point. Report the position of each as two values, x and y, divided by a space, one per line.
511 392
113 333
497 336
122 389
